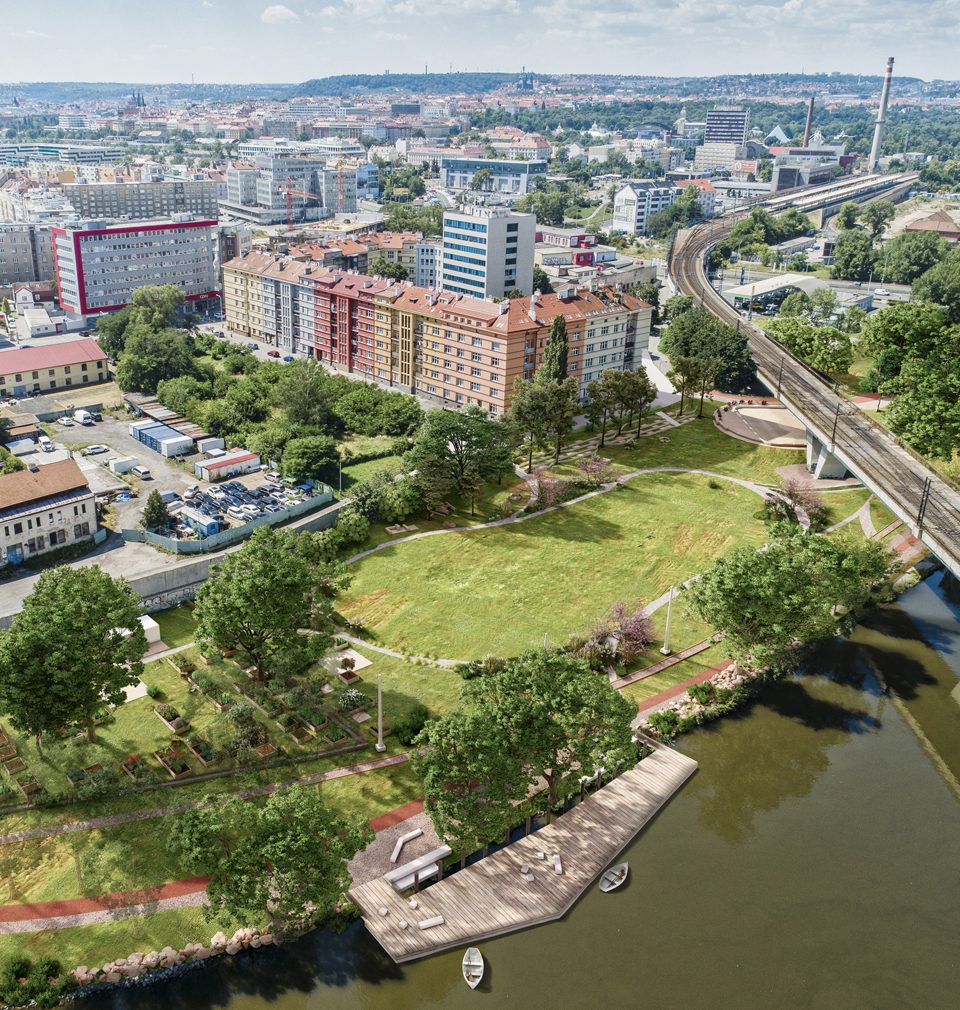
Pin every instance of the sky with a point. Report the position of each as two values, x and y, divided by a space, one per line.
254 40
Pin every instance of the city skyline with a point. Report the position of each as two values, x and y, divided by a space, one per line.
297 41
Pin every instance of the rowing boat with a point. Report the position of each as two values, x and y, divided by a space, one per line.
472 967
614 877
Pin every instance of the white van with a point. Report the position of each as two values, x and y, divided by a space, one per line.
46 443
82 417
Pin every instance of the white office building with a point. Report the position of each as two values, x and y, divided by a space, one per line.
487 251
637 201
514 177
429 256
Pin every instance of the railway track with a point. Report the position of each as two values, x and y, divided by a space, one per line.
922 499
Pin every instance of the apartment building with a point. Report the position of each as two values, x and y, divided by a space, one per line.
141 200
636 201
44 508
513 177
58 366
458 349
98 269
75 154
487 251
395 247
726 125
26 253
429 259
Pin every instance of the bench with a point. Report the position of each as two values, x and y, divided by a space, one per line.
557 867
437 920
402 840
426 866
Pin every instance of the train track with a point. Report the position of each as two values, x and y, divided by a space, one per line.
922 499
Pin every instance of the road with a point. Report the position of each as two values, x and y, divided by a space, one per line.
903 481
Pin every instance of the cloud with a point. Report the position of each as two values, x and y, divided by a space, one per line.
30 33
207 3
158 46
325 12
391 36
278 14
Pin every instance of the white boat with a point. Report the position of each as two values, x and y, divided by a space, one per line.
614 877
472 967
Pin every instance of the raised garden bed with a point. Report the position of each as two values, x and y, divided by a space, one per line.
29 786
182 665
7 752
170 718
76 776
3 738
348 677
135 765
294 725
265 750
334 733
15 765
203 752
174 762
93 769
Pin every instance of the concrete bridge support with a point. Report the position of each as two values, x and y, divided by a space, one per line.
821 462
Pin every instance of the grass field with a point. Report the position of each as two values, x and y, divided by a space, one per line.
467 594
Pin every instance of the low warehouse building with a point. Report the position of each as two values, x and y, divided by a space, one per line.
59 366
44 508
228 465
161 438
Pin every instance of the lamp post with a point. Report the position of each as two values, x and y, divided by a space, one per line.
340 473
665 648
380 745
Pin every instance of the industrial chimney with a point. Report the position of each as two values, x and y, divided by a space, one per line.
806 129
874 162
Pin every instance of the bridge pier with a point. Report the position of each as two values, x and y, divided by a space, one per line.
821 462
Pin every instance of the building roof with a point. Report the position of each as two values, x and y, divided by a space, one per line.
940 222
237 457
704 185
34 485
70 352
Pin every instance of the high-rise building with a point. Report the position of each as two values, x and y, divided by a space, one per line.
26 253
487 251
726 125
635 202
142 200
98 269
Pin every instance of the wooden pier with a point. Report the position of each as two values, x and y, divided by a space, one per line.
492 897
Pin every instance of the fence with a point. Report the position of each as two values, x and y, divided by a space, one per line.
225 538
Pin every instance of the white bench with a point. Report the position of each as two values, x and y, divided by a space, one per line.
428 865
437 920
402 840
557 867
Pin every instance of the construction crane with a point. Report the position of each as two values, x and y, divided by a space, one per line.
289 190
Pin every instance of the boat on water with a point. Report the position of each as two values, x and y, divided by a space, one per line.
472 967
614 877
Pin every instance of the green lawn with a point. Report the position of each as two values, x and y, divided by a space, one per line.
880 514
356 472
464 595
176 626
841 504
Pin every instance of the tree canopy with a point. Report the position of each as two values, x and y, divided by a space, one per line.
698 334
72 649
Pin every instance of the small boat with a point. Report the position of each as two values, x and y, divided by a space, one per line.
614 877
472 967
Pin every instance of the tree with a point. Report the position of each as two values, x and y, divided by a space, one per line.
72 649
151 356
155 515
697 333
640 393
305 394
604 397
941 285
763 601
649 292
560 720
541 281
823 347
847 215
797 303
156 305
381 267
823 304
528 414
683 375
312 457
481 180
257 601
909 255
905 330
559 403
854 258
112 329
876 215
704 377
286 858
554 363
675 306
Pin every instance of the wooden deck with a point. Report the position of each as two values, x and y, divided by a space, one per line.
490 897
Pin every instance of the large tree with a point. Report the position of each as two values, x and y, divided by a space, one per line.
285 859
305 394
941 285
150 356
559 402
822 347
604 399
72 649
854 258
909 255
684 375
311 457
847 215
528 412
157 305
554 363
799 590
876 215
259 598
698 334
155 512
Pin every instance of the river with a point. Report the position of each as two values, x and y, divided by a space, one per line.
812 862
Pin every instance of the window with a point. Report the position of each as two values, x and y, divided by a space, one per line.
18 527
475 357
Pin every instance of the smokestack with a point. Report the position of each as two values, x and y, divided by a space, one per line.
806 129
874 161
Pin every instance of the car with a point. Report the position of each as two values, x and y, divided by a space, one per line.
221 334
46 443
141 471
235 512
252 346
191 491
273 354
95 450
67 422
881 292
95 415
272 475
288 358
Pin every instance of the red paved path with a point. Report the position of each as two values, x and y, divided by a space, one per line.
671 692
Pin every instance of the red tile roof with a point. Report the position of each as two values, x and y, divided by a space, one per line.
71 352
44 482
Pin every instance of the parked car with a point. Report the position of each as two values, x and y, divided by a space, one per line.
93 450
83 417
96 415
252 346
67 422
140 471
235 512
272 475
288 358
273 354
191 491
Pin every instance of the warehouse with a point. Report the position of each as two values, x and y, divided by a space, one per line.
227 465
161 438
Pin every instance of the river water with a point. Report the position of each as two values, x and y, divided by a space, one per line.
812 862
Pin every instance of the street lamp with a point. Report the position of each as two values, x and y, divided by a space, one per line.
665 648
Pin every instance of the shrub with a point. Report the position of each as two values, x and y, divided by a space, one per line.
703 693
203 680
153 690
408 727
352 699
665 724
714 484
